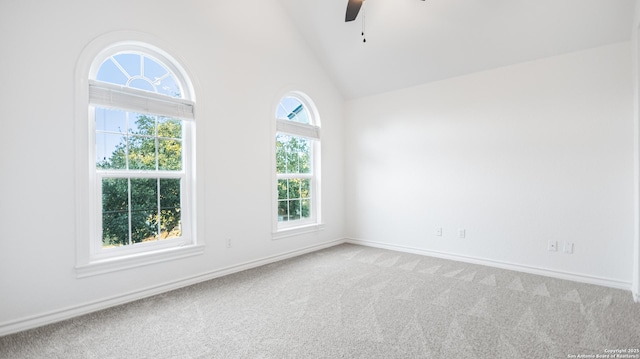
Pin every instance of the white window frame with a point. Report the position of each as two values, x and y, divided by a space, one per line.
309 131
92 259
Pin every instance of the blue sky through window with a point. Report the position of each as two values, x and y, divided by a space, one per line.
139 71
292 109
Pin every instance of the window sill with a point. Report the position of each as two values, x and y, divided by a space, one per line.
294 231
136 260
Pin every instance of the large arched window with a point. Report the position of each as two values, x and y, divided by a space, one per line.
297 164
141 128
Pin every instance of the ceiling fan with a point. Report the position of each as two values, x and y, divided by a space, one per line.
353 8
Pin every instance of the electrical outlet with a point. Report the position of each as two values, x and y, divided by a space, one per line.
553 246
228 242
439 231
462 233
568 247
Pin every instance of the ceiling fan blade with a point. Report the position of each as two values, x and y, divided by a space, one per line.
353 7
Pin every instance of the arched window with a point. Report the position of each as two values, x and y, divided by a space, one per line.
141 124
297 163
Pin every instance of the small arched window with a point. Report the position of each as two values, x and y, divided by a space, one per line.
141 116
297 163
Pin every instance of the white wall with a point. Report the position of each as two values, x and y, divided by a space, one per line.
242 56
517 156
635 47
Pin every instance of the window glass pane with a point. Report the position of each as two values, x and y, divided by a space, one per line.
109 120
305 185
169 127
111 151
293 163
144 209
115 212
282 189
292 109
283 211
111 143
294 188
293 154
304 156
306 208
154 71
109 72
299 114
169 155
163 81
129 62
142 124
142 84
281 153
169 86
170 219
294 210
142 153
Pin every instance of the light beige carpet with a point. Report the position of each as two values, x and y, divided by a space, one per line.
352 302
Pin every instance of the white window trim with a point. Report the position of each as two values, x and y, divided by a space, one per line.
87 262
312 132
298 230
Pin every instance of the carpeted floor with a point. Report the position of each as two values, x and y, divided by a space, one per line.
353 302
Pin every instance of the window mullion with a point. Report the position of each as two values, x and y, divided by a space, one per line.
141 174
294 175
129 206
127 165
157 142
142 66
115 62
126 162
159 209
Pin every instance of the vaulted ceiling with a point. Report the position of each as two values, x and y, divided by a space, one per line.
410 42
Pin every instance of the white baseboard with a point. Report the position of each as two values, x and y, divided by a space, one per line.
606 282
34 321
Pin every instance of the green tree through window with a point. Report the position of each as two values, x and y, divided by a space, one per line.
293 157
140 209
297 144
